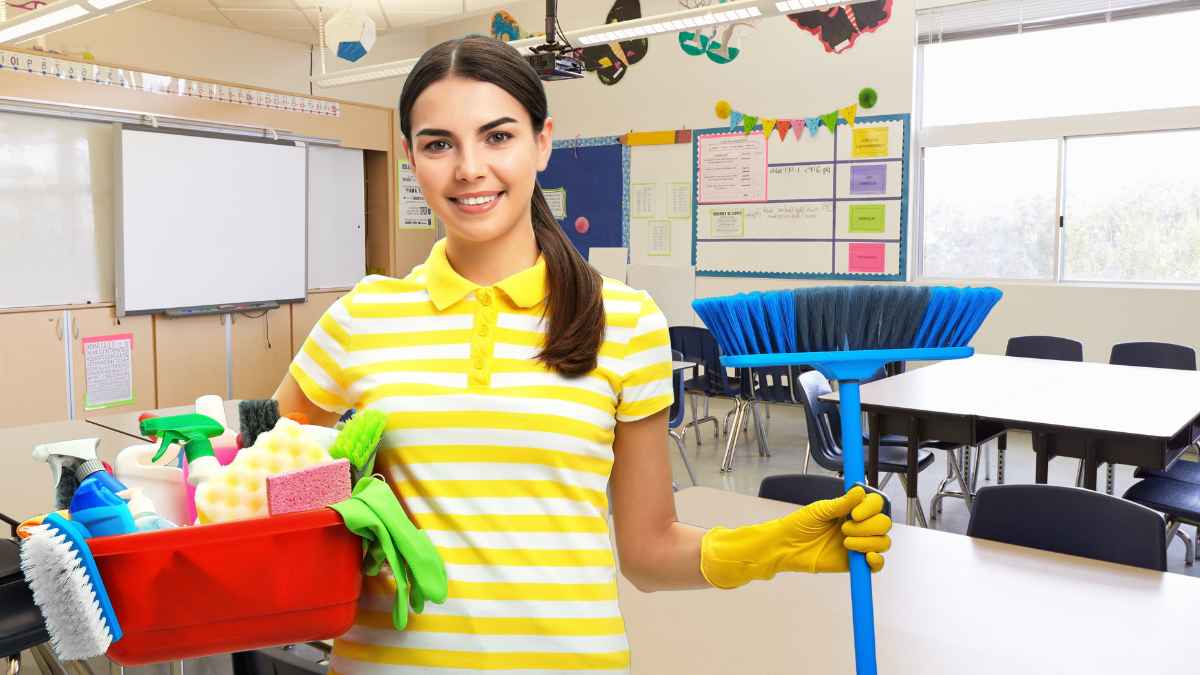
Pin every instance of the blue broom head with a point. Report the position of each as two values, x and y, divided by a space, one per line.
840 318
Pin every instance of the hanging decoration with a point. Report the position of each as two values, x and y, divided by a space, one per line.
505 27
611 61
748 123
838 27
867 97
715 42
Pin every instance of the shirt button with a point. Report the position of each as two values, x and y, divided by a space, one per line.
478 364
483 331
485 298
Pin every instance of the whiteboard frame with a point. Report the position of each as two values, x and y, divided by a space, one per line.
901 275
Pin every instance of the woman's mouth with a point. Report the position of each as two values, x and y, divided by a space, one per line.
476 203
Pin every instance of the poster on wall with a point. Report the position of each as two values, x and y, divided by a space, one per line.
839 27
108 371
415 213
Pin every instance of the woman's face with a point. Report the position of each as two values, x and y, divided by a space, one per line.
476 157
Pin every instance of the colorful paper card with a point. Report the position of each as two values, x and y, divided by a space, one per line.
866 258
868 179
869 142
868 218
108 371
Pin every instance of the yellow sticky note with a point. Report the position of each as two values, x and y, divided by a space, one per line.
870 142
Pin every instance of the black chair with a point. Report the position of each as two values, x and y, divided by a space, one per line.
675 428
827 453
803 489
1153 355
1071 520
1178 499
1046 347
708 379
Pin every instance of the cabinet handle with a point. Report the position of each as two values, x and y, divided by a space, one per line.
58 328
75 329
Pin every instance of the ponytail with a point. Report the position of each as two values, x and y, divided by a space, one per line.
574 304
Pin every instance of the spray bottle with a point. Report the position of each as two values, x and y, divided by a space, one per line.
64 458
193 432
96 504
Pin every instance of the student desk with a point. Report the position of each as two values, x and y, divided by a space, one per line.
944 603
127 422
1096 412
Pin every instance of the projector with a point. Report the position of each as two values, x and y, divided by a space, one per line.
554 65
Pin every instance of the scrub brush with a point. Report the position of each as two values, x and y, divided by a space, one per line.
67 587
358 441
256 417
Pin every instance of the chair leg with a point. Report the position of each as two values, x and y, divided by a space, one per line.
694 425
1079 475
808 458
914 514
887 478
678 438
739 414
1189 551
759 431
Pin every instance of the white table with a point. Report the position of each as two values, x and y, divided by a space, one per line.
944 603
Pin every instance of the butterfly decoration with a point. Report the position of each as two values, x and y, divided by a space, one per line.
505 27
716 42
611 61
838 27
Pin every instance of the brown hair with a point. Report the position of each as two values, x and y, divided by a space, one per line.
574 304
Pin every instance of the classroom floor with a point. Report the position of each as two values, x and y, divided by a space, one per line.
787 442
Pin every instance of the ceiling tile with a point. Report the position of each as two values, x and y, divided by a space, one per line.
190 9
255 4
268 20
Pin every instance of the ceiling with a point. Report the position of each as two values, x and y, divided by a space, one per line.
296 20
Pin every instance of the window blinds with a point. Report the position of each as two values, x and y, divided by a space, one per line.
987 18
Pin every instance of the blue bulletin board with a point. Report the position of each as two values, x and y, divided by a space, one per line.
587 183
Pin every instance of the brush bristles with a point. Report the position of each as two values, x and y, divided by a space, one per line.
257 417
840 318
64 592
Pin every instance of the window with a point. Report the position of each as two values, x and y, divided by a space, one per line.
1059 146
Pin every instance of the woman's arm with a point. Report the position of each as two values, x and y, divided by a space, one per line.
656 552
291 399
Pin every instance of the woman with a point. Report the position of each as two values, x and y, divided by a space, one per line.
519 384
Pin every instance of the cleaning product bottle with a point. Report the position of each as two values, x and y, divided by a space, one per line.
193 432
64 457
162 484
145 517
96 505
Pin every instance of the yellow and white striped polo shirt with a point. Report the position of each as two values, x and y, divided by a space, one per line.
503 462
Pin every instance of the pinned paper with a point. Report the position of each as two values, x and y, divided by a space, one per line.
748 123
735 120
830 120
108 371
868 179
869 142
768 125
866 258
813 124
868 218
782 127
848 113
797 128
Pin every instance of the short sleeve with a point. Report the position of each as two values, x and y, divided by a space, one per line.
320 365
646 384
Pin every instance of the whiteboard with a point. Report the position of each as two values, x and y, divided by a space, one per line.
56 211
205 221
337 245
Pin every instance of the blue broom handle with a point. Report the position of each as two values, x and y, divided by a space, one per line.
860 573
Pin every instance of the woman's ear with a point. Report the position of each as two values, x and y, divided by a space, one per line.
407 151
545 141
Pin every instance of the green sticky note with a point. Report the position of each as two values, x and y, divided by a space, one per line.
867 218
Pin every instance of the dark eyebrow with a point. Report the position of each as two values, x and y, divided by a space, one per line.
434 132
492 125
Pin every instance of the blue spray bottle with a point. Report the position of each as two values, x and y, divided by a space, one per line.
96 505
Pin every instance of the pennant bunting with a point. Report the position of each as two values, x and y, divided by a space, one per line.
748 123
813 124
768 126
782 127
735 120
848 113
798 128
830 120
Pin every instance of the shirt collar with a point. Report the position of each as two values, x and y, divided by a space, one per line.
446 286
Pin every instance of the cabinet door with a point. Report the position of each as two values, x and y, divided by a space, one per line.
33 368
306 314
261 352
189 358
100 322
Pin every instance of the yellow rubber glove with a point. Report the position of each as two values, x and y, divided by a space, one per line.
814 538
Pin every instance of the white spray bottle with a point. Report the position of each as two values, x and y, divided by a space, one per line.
64 457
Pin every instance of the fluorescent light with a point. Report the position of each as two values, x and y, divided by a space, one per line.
42 22
105 4
781 6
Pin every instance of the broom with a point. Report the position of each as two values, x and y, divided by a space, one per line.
848 333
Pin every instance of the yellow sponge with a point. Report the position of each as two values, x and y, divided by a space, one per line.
239 491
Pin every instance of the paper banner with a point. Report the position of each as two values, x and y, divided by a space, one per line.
768 125
735 120
782 127
848 113
797 128
813 124
748 123
830 120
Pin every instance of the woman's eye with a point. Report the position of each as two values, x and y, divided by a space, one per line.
437 146
499 137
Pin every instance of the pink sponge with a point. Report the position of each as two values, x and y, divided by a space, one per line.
310 488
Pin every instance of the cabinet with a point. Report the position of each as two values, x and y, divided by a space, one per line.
261 344
33 368
189 358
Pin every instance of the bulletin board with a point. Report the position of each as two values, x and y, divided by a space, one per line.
587 186
833 205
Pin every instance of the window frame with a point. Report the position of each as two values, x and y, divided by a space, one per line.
1060 129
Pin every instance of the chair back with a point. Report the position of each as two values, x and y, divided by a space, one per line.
1071 520
825 450
773 384
1045 347
803 489
1153 355
678 409
697 344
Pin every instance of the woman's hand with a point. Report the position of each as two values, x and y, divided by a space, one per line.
814 538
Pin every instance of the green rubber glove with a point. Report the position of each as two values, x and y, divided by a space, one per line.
373 513
814 538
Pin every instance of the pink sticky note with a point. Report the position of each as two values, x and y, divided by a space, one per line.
866 258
